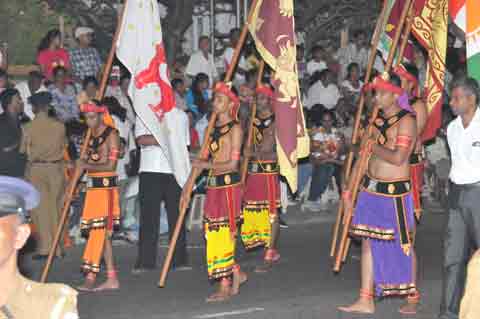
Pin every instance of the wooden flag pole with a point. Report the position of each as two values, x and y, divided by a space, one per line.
195 172
406 34
248 144
363 161
358 116
77 174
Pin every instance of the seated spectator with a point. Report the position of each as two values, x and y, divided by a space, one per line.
64 100
51 54
89 90
33 85
317 63
323 90
325 155
241 67
197 96
86 61
202 61
356 51
351 87
179 88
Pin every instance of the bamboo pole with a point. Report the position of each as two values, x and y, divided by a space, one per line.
248 144
363 161
358 116
187 189
77 174
406 34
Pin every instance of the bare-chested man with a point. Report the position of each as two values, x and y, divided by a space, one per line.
222 211
262 191
101 211
384 212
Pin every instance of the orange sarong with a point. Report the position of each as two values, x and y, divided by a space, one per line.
101 213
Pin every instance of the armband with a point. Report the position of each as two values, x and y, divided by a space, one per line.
403 141
235 155
113 154
346 195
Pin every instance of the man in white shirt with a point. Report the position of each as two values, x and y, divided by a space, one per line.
158 182
33 85
356 51
316 64
227 57
202 61
324 92
463 228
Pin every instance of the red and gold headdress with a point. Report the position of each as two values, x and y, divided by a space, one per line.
265 90
382 82
92 107
226 89
402 72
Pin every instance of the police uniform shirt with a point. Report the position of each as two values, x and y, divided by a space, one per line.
34 300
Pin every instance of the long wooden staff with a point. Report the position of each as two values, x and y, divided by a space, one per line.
195 172
358 116
363 161
77 174
248 144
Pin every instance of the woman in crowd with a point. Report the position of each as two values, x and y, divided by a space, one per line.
90 89
64 97
51 54
197 96
352 86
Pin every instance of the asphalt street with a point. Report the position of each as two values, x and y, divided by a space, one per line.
301 286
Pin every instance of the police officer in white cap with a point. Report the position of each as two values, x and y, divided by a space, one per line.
19 297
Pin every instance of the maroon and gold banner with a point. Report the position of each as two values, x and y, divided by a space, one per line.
273 29
430 29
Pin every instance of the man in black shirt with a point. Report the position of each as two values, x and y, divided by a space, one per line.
12 163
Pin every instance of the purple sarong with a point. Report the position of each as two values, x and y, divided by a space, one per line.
384 214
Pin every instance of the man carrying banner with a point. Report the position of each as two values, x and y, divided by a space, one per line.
384 210
408 73
262 191
101 212
222 211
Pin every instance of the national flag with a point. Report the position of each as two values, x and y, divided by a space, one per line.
466 14
430 29
390 26
273 29
140 49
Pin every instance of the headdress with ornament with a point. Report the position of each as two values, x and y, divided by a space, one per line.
226 89
265 90
382 82
403 73
93 107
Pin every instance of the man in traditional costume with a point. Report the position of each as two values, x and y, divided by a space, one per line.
384 213
409 76
262 191
101 212
222 211
408 73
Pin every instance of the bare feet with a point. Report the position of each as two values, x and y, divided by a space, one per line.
109 284
239 278
223 294
362 305
271 257
88 285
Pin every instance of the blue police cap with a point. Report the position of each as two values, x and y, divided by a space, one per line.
17 197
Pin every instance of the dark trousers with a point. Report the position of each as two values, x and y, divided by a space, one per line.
155 188
321 177
461 237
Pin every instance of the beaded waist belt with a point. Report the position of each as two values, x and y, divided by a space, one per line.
259 167
416 158
102 182
393 188
223 180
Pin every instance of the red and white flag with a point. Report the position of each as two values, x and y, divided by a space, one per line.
140 49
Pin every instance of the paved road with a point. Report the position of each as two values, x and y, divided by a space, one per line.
301 287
